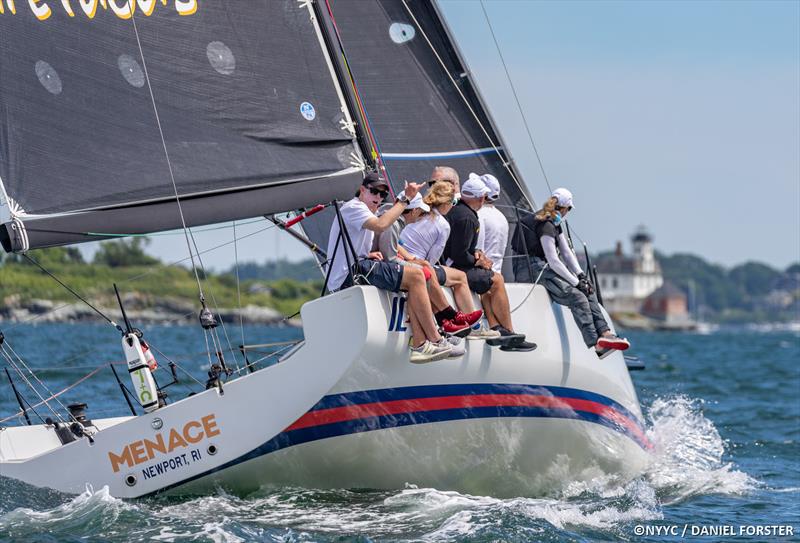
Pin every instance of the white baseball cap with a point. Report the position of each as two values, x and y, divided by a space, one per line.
564 197
474 187
417 203
492 184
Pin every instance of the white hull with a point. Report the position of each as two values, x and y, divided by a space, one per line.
347 409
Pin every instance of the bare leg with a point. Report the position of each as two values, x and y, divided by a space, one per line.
417 336
419 305
438 299
457 280
497 299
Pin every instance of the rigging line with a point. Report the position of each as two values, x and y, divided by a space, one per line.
186 232
73 385
216 307
176 262
36 377
140 276
78 296
516 98
238 288
5 349
154 234
503 160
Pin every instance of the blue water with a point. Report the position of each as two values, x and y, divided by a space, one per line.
723 411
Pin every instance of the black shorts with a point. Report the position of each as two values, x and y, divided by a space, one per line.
441 276
379 273
479 280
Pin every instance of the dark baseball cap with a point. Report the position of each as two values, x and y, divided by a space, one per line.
374 180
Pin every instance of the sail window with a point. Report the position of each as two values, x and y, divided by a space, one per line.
307 111
131 70
48 77
401 32
221 57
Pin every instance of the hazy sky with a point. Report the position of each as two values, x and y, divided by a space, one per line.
682 116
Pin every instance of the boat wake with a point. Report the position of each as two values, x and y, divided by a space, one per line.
689 460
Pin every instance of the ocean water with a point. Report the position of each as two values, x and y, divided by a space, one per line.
722 409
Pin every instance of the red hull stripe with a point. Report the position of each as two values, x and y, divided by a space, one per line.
396 407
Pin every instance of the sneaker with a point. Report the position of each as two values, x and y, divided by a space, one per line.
457 349
455 329
483 332
613 342
429 352
507 337
520 347
468 318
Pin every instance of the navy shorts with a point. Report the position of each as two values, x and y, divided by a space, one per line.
441 276
379 273
479 280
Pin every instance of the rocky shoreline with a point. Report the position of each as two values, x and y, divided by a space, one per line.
162 311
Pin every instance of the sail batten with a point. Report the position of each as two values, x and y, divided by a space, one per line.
245 94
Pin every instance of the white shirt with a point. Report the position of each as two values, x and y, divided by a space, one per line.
493 235
427 237
354 214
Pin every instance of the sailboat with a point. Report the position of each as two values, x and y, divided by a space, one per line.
125 118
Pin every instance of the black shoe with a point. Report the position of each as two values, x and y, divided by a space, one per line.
602 353
507 337
521 347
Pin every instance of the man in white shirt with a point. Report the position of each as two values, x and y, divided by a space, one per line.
493 237
361 223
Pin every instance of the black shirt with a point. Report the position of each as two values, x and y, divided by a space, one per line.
464 227
531 231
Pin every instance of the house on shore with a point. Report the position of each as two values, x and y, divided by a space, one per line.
626 280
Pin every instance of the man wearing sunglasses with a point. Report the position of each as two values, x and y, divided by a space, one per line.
461 253
447 174
493 237
361 222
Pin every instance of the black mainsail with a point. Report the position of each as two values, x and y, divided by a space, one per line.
416 100
243 94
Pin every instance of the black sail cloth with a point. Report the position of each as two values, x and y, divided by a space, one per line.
415 112
245 97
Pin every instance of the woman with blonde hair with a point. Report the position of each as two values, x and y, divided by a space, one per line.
424 238
560 273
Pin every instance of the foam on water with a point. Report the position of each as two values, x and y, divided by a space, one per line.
689 460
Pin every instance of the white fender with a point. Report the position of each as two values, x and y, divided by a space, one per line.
144 386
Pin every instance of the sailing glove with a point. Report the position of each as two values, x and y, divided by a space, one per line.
584 285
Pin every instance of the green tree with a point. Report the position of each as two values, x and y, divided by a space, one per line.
50 257
120 253
754 278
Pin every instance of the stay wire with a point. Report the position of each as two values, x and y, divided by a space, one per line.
186 232
78 296
516 97
496 149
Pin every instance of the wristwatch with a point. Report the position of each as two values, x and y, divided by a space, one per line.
402 198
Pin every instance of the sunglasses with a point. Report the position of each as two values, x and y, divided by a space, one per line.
407 211
432 181
376 192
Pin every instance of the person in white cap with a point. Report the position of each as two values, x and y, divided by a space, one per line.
461 253
493 236
561 274
424 240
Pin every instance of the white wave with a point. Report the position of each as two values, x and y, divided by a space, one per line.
688 456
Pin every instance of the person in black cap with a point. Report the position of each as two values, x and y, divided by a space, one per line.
361 222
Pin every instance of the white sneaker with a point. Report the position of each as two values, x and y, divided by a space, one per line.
429 352
457 348
483 332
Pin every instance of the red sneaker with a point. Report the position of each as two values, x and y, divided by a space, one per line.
468 318
454 328
613 342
